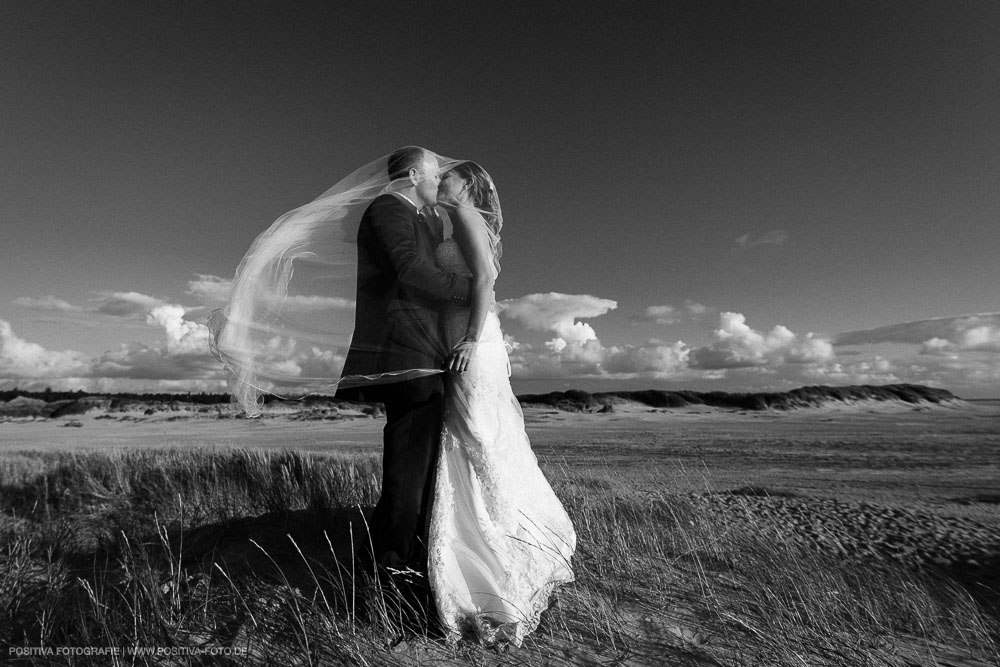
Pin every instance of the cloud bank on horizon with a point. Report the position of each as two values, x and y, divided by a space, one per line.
940 336
552 336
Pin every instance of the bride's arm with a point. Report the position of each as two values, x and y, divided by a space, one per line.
473 240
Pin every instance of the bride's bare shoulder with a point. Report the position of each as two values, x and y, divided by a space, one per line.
467 219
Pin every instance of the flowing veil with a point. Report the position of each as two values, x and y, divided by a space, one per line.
287 326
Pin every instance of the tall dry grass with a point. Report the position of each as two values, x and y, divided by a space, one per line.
263 552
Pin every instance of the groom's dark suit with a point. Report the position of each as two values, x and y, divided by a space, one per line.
400 295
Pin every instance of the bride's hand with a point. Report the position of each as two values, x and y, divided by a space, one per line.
461 357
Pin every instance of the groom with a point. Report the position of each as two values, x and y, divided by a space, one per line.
400 294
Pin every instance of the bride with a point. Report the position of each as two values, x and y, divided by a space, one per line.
499 539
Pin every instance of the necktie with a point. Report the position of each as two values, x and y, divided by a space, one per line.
428 222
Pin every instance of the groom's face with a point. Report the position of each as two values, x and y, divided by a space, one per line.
427 181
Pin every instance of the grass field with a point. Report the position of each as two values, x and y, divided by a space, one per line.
706 537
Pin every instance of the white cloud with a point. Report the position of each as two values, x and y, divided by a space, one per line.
736 345
958 353
183 357
210 289
320 363
875 371
143 362
661 314
969 373
667 314
116 304
215 291
695 308
964 333
544 312
576 352
124 304
809 350
938 346
46 303
22 359
775 237
558 313
572 333
593 360
654 361
183 336
985 337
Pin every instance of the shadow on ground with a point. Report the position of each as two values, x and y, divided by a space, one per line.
253 572
294 547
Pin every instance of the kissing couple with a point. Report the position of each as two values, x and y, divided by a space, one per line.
465 513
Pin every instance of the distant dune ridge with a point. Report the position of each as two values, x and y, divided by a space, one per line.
32 406
38 405
804 397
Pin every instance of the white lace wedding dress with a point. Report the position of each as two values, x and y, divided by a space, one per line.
500 540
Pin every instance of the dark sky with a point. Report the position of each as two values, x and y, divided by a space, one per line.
828 167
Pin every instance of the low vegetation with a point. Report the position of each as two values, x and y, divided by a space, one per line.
261 555
803 397
48 404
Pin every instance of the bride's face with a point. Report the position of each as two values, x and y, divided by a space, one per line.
452 189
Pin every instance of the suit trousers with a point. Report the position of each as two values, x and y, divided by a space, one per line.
411 441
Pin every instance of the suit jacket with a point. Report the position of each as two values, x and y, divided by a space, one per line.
400 295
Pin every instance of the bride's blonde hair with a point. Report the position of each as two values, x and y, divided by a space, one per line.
484 198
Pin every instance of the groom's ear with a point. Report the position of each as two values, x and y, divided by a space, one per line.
414 175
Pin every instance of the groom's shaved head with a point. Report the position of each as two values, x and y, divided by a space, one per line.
404 159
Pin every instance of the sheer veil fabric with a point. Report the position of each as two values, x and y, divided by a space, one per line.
288 323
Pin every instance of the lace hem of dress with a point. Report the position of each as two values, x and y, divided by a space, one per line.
535 565
490 632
